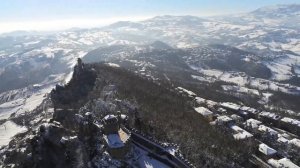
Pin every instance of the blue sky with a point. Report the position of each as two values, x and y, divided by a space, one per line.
20 13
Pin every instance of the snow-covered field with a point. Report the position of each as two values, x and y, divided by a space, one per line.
267 37
282 67
243 80
30 98
8 130
27 100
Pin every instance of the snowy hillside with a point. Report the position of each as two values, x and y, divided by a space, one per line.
259 52
271 32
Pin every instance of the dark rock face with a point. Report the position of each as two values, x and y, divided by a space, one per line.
47 150
81 83
87 127
56 146
66 117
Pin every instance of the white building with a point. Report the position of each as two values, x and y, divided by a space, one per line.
188 92
230 106
282 163
211 104
291 121
205 112
224 120
265 149
269 115
282 140
249 110
237 118
200 100
252 123
239 133
222 110
295 142
268 130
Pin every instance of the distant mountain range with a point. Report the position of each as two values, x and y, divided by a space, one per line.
263 44
250 59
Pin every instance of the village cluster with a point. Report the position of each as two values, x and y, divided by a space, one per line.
122 142
276 136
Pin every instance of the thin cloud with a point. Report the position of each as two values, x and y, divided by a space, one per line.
54 25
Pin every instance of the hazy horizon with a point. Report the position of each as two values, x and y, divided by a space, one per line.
33 15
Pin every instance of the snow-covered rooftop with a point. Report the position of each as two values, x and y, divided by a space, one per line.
240 133
200 100
295 142
284 162
270 115
266 129
245 108
123 116
291 121
203 111
252 123
282 139
230 105
236 117
190 93
211 103
222 110
224 118
110 116
249 109
265 149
